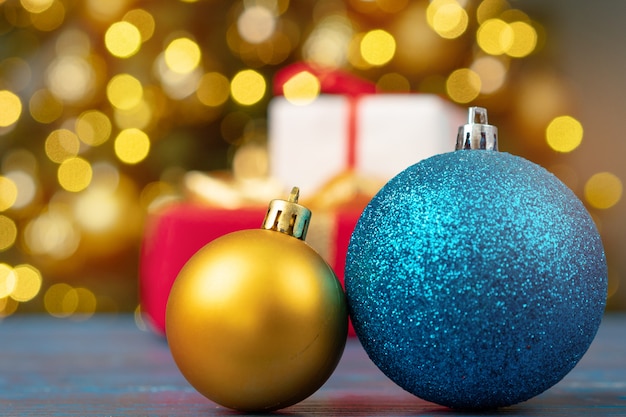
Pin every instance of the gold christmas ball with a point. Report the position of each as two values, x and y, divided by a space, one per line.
257 320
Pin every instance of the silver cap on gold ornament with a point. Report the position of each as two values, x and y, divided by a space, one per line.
477 133
287 216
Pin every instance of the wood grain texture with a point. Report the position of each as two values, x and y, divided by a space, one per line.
107 367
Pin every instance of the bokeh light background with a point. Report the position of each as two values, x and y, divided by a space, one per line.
105 105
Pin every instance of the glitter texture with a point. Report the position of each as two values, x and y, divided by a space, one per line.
476 279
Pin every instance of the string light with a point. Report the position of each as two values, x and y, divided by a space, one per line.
8 232
182 55
52 234
143 21
248 87
447 18
256 24
25 186
564 133
122 39
63 300
70 78
74 174
61 144
328 42
8 193
44 107
603 190
7 280
51 18
213 89
36 6
105 11
494 36
132 145
177 85
302 88
489 9
94 127
139 116
124 91
8 306
463 85
28 282
524 40
10 108
378 47
492 72
516 39
87 92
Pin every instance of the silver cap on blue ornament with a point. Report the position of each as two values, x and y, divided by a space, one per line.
477 133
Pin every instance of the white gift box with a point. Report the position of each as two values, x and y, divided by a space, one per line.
375 135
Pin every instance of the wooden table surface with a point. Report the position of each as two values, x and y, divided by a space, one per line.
106 366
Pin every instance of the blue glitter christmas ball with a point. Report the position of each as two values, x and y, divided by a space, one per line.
476 279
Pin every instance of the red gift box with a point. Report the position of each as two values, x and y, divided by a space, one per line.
176 233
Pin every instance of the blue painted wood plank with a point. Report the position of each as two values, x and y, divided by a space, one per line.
106 366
